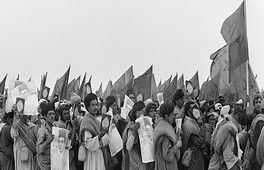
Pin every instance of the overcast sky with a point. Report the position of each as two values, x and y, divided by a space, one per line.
105 37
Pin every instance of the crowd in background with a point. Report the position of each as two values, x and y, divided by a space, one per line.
212 134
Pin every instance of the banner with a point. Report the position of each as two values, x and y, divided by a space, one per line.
59 149
145 133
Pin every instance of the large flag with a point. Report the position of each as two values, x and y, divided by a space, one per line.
122 92
209 90
88 86
129 75
170 90
195 81
234 31
220 66
142 85
76 87
82 88
70 88
180 83
107 91
154 89
163 86
61 85
2 85
99 92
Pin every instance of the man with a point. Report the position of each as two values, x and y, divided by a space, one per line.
131 94
257 124
93 139
6 143
65 123
24 134
45 136
225 141
166 143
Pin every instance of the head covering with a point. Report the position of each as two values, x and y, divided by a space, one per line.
218 106
148 101
225 110
74 98
46 107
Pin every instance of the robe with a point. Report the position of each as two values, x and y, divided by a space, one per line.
19 143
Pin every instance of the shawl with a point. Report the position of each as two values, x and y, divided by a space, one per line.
260 148
27 136
163 129
252 133
190 126
91 124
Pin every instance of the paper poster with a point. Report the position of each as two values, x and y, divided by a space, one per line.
146 138
178 126
45 92
20 104
115 140
105 122
128 105
160 98
59 149
24 90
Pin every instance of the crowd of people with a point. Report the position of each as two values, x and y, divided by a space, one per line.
188 134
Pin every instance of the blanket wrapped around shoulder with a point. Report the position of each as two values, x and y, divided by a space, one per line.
226 126
252 134
163 129
260 148
91 124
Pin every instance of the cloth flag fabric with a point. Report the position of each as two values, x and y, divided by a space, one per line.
170 90
2 85
61 85
154 89
69 89
180 83
129 74
76 87
163 86
142 85
234 31
123 80
220 66
107 91
82 88
195 81
122 92
99 92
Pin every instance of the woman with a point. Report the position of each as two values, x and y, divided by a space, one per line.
192 138
131 151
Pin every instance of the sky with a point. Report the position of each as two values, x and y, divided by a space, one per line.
105 37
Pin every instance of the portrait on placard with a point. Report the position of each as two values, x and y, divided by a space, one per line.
60 149
106 120
20 104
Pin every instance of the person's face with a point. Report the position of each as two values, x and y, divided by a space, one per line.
152 112
180 103
132 97
212 120
61 144
258 103
65 116
24 119
50 118
170 118
93 109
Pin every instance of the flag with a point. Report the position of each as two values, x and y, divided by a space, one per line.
61 85
142 85
17 77
180 83
29 79
107 91
77 85
240 85
123 80
42 84
163 86
122 92
88 86
170 90
129 75
70 88
154 89
159 86
209 90
220 66
234 31
195 81
82 88
99 92
2 85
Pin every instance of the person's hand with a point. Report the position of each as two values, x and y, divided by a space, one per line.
135 126
102 133
179 144
50 138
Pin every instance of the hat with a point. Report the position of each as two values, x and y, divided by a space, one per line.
147 102
74 98
225 110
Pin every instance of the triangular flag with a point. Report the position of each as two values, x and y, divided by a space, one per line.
107 91
2 85
70 88
195 81
99 92
170 90
76 87
180 83
82 88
